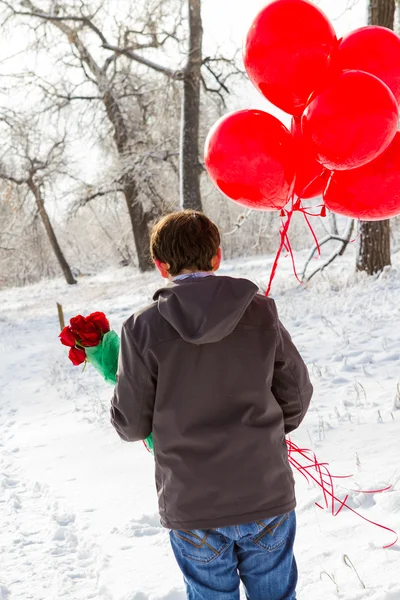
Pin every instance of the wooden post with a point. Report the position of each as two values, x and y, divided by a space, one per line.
61 316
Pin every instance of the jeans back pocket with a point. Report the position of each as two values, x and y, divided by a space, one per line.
275 533
199 545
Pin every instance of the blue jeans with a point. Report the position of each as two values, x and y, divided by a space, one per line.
214 561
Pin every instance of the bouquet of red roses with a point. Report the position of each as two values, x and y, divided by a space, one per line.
91 340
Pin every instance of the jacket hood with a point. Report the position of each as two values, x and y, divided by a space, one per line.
207 309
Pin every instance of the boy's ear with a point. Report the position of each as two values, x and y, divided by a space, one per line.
216 261
163 268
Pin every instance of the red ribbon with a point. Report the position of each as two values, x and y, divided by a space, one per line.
284 229
285 241
324 481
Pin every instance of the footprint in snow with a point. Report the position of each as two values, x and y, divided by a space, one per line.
4 592
145 526
8 482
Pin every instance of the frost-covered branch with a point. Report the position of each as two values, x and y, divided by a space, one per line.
339 251
240 221
173 74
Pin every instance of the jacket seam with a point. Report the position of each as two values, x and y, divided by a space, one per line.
151 346
299 390
208 306
141 404
145 384
140 352
163 487
250 297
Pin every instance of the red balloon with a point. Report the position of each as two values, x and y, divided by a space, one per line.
375 50
311 176
287 52
352 121
249 156
371 193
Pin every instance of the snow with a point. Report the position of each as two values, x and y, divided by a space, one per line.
78 508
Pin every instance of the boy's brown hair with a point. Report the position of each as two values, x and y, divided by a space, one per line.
185 240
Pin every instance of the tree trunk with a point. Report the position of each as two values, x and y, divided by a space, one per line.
374 246
137 215
35 189
190 169
139 223
381 12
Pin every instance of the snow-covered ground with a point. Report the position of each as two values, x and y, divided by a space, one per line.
78 510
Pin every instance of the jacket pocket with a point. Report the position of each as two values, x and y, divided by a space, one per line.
274 534
200 545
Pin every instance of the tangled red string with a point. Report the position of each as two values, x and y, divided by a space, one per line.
306 463
284 235
284 229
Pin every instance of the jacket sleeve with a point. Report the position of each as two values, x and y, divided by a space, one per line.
291 384
132 405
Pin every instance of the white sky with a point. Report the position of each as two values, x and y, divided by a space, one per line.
231 18
226 23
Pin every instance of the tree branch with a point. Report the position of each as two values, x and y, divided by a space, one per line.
101 193
177 75
216 76
213 91
240 222
41 14
6 177
339 251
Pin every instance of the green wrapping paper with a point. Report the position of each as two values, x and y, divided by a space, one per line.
104 359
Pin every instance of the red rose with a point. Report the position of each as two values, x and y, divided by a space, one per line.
100 320
67 337
86 332
77 356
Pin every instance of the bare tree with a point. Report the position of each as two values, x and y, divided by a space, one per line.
374 247
107 79
198 72
26 164
75 22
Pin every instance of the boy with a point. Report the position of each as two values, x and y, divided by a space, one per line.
211 371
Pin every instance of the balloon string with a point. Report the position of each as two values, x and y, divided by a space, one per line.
284 243
372 491
324 481
359 233
289 246
305 211
313 233
284 238
308 186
